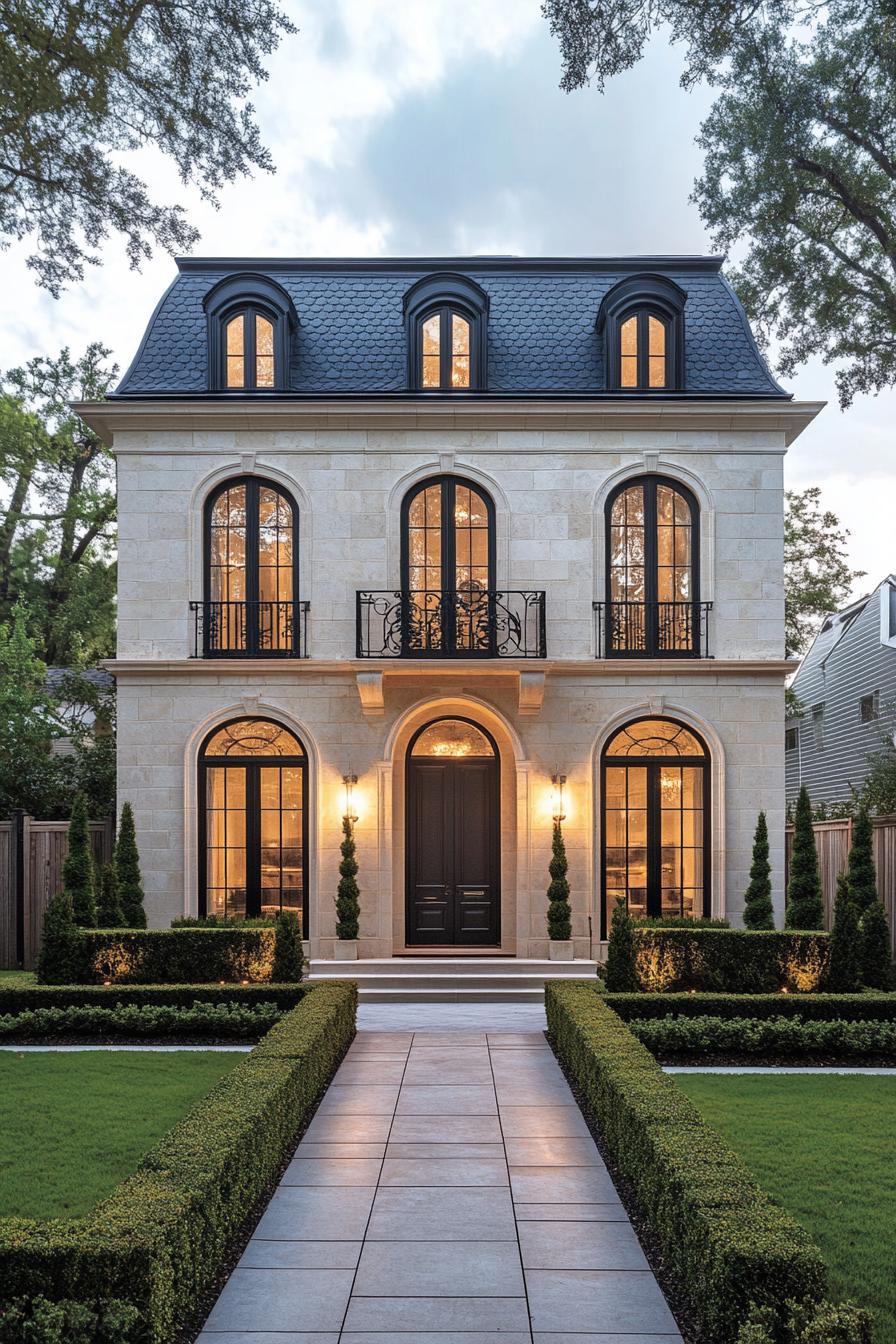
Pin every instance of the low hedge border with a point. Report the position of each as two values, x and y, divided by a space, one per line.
733 961
775 1036
158 1240
871 1007
213 1021
726 1244
168 956
26 998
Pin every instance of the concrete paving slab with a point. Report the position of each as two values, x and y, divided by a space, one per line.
439 1213
393 1315
439 1269
558 1185
282 1299
444 1171
332 1171
559 1151
346 1151
322 1213
449 1152
364 1099
526 1122
348 1129
626 1302
446 1129
447 1100
581 1246
261 1254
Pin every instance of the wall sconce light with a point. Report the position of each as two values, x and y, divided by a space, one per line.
348 783
557 783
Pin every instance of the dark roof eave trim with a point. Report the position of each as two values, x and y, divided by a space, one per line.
448 398
709 264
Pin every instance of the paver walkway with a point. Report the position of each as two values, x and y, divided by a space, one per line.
446 1192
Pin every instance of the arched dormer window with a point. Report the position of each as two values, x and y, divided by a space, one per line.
250 324
642 322
446 322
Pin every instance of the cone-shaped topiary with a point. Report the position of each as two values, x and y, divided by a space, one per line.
860 873
127 872
877 951
348 905
108 906
758 913
844 965
805 909
60 960
621 975
287 967
559 916
77 871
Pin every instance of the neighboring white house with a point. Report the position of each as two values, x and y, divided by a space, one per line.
449 529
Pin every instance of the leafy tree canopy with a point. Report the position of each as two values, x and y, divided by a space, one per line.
800 168
57 506
83 80
817 576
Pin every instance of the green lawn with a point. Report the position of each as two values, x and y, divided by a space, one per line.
18 979
825 1148
73 1125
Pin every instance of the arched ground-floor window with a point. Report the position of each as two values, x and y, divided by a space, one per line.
656 821
253 822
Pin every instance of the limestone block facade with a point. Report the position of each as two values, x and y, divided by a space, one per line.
550 468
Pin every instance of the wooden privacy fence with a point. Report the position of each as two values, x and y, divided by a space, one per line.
832 843
31 857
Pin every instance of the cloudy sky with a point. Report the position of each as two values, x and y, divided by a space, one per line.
403 127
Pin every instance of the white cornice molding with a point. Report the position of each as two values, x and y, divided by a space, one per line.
108 418
602 669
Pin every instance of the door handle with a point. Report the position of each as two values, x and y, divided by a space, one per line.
449 890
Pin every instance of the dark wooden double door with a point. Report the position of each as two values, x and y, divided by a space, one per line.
453 853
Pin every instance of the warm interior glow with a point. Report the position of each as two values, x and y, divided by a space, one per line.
460 351
452 737
264 352
656 352
628 353
230 564
654 737
432 334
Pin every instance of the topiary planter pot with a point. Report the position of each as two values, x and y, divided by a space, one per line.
561 949
346 949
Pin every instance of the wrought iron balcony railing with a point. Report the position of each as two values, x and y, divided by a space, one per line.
652 629
250 629
471 623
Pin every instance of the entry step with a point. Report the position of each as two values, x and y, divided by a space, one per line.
451 979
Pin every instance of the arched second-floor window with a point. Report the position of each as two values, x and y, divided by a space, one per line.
652 567
642 322
447 567
446 318
251 570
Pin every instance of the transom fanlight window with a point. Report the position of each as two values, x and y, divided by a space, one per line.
656 821
642 352
253 793
445 350
249 351
452 737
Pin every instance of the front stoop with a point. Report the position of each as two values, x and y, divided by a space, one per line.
451 979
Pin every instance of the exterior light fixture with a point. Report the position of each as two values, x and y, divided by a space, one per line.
348 783
557 783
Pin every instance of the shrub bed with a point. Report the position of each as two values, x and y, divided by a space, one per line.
165 956
729 1247
231 1021
773 1036
733 961
159 1239
808 1007
26 998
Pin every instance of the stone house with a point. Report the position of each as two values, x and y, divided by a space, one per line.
453 547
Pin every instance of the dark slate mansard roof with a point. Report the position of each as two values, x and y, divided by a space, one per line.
542 336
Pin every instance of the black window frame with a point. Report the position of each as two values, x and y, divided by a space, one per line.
654 830
871 701
448 482
248 294
254 485
791 738
446 293
252 814
649 481
643 296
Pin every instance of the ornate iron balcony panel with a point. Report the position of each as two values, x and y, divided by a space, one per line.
471 623
652 629
250 629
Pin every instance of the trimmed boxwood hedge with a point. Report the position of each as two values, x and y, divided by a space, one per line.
809 1007
26 998
733 961
160 1238
169 956
728 1246
764 1036
212 1021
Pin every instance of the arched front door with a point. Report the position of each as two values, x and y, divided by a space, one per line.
656 837
253 822
452 846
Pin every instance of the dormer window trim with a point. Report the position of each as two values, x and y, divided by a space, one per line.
642 297
438 298
251 297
